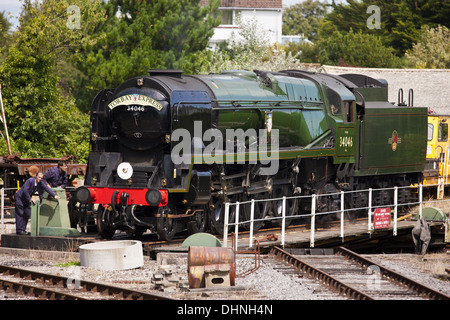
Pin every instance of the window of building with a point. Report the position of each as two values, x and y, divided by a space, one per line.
227 17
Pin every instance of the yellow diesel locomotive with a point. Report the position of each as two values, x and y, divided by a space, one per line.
436 172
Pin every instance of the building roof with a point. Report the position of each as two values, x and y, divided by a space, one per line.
431 86
253 4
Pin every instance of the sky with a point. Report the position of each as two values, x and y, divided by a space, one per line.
14 6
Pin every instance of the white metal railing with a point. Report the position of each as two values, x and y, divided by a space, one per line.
313 214
2 208
394 207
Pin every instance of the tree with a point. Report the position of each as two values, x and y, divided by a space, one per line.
304 18
433 12
42 120
400 21
143 35
432 50
5 37
249 49
357 49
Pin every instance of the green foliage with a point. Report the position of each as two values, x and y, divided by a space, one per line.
357 49
432 50
304 51
249 49
401 20
433 12
345 35
5 36
42 121
68 264
398 23
304 18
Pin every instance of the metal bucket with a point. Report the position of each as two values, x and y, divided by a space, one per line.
204 261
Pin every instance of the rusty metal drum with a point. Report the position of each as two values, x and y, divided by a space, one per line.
207 260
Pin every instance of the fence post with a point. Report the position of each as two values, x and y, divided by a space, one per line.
283 221
2 211
395 209
342 215
225 224
420 200
252 216
369 221
313 220
236 226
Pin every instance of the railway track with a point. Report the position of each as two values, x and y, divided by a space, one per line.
54 287
356 277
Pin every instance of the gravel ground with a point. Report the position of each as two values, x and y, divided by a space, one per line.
266 283
277 285
428 269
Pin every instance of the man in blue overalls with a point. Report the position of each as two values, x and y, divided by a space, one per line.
23 200
56 177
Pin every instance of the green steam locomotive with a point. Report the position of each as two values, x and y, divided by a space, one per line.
168 150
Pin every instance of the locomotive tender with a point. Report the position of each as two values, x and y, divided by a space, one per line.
168 150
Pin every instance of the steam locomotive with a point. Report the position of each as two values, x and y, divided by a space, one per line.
168 150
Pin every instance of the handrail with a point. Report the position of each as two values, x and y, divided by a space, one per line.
313 214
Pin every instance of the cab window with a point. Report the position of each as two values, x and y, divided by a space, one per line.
335 102
348 108
430 131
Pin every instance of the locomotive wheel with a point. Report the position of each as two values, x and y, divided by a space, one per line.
166 227
260 211
197 223
360 201
103 227
217 215
404 196
277 206
382 198
329 202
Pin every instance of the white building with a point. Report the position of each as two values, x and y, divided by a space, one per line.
268 14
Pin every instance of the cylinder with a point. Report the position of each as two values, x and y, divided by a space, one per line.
112 255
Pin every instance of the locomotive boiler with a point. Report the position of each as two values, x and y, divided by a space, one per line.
168 150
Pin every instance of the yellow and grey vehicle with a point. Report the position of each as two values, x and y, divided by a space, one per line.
436 172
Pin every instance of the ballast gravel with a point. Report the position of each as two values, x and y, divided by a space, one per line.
271 281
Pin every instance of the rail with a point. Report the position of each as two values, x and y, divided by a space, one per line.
346 280
66 282
370 209
2 208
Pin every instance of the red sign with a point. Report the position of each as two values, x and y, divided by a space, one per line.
382 218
